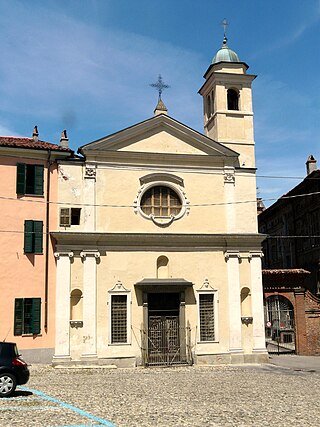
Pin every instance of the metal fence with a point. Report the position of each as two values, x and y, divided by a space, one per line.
280 329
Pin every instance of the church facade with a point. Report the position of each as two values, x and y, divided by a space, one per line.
157 251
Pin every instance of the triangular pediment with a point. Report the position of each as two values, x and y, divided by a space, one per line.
160 134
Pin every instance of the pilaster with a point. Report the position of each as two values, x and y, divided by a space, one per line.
90 197
259 342
90 258
62 340
233 259
229 191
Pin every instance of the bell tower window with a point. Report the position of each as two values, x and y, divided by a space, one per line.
233 99
209 106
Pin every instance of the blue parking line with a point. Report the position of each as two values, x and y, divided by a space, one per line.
72 408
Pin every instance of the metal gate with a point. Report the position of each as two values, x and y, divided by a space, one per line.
165 343
280 330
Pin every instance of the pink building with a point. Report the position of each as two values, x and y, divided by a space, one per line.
28 200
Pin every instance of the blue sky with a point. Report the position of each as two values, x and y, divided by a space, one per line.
86 65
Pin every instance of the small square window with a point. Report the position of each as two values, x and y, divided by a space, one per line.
69 216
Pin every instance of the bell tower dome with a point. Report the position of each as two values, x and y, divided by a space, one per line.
227 103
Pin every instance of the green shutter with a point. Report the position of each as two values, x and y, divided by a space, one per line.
38 180
18 316
21 178
36 316
38 237
28 237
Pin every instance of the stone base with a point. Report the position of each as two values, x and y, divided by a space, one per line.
61 360
119 362
89 359
230 358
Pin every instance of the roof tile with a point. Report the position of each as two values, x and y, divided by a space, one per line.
23 142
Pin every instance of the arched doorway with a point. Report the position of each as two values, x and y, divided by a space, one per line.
279 321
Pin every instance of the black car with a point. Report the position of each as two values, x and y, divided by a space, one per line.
13 370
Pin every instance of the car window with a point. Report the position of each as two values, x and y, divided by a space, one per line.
8 350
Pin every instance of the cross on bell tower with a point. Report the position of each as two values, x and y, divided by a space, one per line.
225 24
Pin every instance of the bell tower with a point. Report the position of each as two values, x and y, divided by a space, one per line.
227 104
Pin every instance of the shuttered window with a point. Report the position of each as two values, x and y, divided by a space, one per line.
118 318
27 316
33 237
206 311
29 179
69 216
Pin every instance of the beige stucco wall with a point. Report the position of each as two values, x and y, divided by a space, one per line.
115 191
130 268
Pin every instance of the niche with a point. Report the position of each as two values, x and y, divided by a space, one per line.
162 267
245 302
76 305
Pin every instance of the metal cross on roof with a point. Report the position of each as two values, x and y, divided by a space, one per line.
225 24
159 85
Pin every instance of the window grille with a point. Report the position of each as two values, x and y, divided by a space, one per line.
206 309
161 201
118 318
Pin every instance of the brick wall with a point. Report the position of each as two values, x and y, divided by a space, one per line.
312 314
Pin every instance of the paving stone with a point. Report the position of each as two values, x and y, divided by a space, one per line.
223 396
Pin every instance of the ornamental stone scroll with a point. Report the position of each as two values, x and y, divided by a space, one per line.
229 175
61 254
90 172
90 253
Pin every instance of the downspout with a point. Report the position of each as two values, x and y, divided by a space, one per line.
46 286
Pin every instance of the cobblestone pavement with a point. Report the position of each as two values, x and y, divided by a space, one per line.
248 395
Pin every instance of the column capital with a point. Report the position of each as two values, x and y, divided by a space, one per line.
255 254
63 254
232 254
90 253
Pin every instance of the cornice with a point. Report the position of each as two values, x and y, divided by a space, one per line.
164 160
153 241
155 125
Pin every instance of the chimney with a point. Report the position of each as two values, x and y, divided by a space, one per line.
311 164
35 134
64 140
260 206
